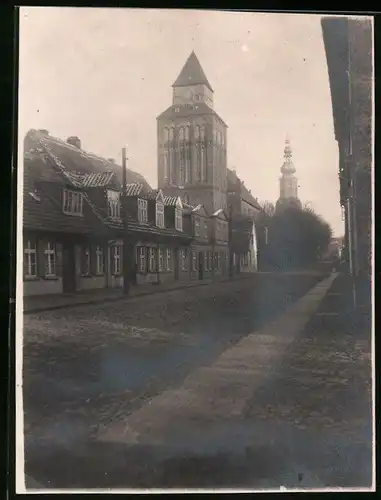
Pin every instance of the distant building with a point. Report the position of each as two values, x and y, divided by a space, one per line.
192 164
192 142
288 183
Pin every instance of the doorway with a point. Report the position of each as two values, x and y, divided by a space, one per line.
68 268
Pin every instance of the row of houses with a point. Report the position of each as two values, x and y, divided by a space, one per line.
73 229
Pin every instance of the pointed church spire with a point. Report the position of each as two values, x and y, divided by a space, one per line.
192 73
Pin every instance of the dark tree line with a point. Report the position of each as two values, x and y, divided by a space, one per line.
291 239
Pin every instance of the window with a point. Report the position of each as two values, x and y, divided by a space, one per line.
183 255
142 210
116 259
85 260
206 230
217 260
178 219
197 226
159 214
169 259
50 259
166 165
142 259
100 260
194 261
161 259
152 260
72 202
113 204
30 259
266 235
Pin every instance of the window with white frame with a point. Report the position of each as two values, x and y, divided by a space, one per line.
152 260
161 260
178 219
183 255
100 263
72 202
116 261
85 260
113 199
30 259
194 261
142 259
168 259
50 259
142 210
159 214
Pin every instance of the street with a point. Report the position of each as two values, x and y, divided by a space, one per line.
87 368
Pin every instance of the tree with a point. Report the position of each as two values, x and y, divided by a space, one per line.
296 237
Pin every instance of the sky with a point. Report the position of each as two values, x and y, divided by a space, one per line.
104 75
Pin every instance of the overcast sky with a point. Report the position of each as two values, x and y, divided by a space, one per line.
105 74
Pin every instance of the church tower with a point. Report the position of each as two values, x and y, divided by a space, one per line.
192 142
288 183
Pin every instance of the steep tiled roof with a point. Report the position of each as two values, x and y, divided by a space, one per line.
170 201
192 73
42 211
233 180
134 189
76 160
185 110
97 180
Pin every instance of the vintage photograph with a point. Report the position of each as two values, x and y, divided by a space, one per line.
194 251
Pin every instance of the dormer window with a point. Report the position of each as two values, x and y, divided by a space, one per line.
160 214
142 211
113 199
72 202
178 219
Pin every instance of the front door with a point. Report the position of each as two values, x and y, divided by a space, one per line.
200 265
68 268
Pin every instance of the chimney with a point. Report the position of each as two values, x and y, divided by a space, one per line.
43 131
111 160
74 141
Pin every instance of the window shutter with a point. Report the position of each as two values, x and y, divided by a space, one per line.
58 248
93 258
112 260
121 258
40 258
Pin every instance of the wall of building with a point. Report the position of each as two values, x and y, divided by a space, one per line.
42 286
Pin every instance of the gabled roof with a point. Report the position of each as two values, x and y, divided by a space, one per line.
192 73
233 181
170 201
187 110
220 214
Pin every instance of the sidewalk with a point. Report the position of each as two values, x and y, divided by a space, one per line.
33 304
288 405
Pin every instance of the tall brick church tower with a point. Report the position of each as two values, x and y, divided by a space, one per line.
192 142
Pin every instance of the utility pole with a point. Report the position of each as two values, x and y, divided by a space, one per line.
126 253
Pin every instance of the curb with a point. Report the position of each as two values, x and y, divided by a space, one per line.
133 297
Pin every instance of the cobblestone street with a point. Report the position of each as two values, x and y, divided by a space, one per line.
88 368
